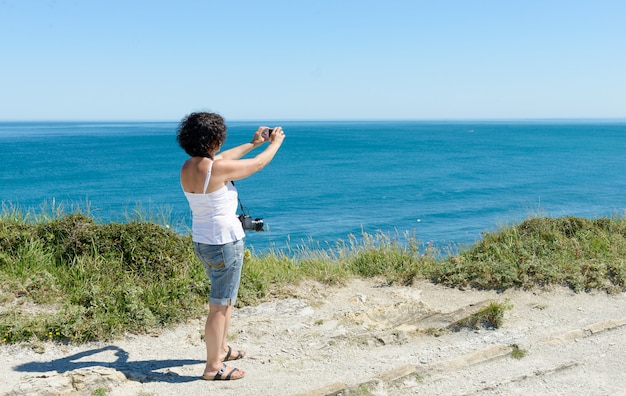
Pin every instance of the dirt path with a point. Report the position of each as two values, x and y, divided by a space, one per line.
332 340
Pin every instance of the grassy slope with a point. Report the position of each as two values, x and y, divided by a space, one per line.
70 279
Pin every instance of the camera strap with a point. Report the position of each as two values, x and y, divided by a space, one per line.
241 206
243 211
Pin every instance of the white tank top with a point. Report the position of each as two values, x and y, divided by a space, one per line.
214 215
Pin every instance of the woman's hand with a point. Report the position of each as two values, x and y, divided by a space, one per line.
277 135
258 138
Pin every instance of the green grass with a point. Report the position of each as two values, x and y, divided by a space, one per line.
490 317
517 352
74 280
99 392
67 278
578 253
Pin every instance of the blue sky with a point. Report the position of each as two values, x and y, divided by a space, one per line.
303 59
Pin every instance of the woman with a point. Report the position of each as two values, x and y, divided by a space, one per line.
217 233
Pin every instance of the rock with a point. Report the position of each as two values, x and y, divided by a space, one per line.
93 378
83 381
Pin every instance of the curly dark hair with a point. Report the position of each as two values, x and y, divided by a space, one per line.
201 133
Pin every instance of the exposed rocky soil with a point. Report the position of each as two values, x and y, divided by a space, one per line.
336 340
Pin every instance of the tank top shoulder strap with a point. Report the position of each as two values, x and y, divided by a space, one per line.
208 176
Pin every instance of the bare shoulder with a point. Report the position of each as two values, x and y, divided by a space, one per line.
193 173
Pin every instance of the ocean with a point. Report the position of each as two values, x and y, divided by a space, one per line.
441 182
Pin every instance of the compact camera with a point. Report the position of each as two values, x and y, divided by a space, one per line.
267 133
251 224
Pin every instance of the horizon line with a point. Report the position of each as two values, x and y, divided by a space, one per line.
502 119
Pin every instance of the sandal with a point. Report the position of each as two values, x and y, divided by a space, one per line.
218 375
230 356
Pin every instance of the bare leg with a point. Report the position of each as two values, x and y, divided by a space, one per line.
234 354
227 317
215 331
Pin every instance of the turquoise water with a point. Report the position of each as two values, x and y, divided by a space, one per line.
444 182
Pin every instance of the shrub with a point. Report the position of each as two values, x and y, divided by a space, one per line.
579 253
97 280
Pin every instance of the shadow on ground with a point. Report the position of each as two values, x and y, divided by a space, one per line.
141 371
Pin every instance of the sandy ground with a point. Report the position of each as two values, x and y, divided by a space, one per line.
331 340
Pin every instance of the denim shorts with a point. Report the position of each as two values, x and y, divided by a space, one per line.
223 266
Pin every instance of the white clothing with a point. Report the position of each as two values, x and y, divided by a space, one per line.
214 215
